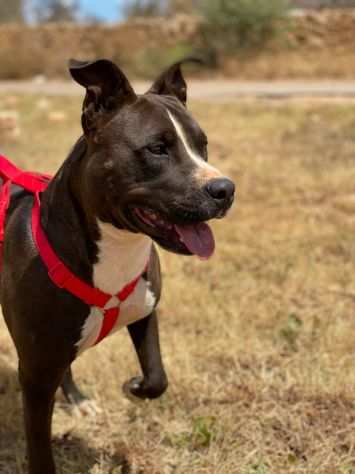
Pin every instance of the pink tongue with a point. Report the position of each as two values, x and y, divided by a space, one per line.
198 238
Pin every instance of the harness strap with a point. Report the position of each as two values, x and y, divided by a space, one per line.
108 322
111 315
57 271
60 275
65 278
32 182
4 205
10 174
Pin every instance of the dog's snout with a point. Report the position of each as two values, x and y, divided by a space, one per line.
221 189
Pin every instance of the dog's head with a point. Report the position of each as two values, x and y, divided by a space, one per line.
147 167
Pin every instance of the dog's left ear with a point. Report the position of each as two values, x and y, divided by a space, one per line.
107 88
172 82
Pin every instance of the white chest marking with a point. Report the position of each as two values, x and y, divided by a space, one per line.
122 257
204 170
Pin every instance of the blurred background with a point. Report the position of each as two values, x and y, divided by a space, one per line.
246 39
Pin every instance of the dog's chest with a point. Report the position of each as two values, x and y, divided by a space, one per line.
121 258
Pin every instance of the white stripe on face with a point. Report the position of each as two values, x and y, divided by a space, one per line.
204 171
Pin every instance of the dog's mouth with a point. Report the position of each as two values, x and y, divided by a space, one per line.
190 239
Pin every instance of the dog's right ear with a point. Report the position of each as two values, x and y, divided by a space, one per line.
107 89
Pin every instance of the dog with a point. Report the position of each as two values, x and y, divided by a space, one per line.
79 260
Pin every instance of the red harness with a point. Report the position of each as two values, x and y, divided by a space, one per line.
60 275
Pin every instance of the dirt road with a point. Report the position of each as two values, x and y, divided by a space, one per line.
216 90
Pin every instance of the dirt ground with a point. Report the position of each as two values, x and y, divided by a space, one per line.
212 90
258 342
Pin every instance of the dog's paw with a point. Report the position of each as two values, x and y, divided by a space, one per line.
140 389
86 408
132 389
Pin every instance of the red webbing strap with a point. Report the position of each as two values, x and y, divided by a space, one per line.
108 322
64 278
7 169
4 204
32 182
58 272
111 315
10 174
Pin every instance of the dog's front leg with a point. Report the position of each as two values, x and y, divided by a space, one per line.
145 337
38 391
70 390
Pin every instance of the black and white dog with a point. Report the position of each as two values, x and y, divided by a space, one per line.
138 175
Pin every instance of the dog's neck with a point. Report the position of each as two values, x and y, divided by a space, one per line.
97 252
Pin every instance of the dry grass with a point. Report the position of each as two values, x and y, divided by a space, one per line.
258 342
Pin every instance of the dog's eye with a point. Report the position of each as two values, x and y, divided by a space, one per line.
158 149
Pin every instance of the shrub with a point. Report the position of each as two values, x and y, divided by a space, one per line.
233 24
148 61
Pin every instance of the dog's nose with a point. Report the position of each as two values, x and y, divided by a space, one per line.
221 189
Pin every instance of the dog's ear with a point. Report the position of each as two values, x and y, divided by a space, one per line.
107 88
172 82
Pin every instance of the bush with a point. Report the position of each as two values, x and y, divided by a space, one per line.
148 61
142 8
232 24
